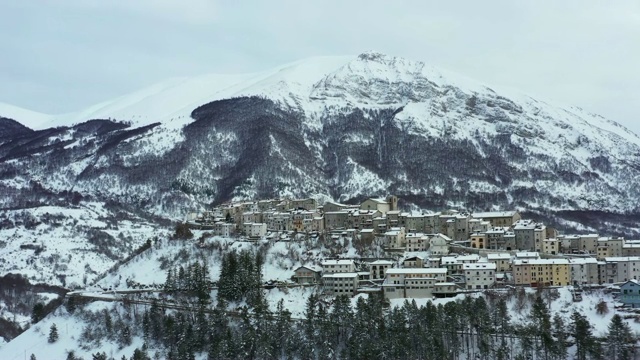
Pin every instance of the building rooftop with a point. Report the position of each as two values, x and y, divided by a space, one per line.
425 271
474 266
337 262
493 214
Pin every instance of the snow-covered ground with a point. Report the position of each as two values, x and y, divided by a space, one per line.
68 246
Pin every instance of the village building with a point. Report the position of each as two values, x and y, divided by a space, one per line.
439 244
529 235
502 261
621 269
254 230
541 272
395 238
382 205
454 264
340 283
414 283
307 274
609 247
479 275
499 218
378 268
584 271
338 266
630 293
417 242
413 262
550 246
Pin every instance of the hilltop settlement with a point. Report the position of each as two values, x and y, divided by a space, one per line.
430 254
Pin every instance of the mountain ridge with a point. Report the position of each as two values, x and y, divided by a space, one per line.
339 128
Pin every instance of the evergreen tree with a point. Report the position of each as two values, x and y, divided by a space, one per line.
37 313
620 341
542 324
53 334
586 343
32 357
99 356
560 333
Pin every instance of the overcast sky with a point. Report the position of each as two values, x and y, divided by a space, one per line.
60 56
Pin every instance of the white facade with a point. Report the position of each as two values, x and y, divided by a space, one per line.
255 230
584 271
341 283
417 242
395 238
338 266
480 275
439 244
378 269
415 283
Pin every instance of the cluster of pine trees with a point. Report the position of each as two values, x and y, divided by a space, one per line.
477 328
194 279
241 278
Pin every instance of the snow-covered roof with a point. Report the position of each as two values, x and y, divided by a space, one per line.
417 271
475 266
542 262
337 262
314 268
381 262
622 258
366 231
493 214
340 275
527 254
583 261
500 256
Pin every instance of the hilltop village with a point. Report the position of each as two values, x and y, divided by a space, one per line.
430 254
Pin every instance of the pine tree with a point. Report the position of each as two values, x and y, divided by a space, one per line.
53 334
38 312
586 343
32 357
620 341
560 333
99 356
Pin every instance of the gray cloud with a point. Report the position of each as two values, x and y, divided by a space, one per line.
62 56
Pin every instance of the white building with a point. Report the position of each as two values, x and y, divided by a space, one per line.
480 275
378 269
254 230
338 266
341 283
223 229
417 242
412 283
395 238
584 271
439 244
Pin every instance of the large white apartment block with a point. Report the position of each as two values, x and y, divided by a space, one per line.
480 275
338 266
584 271
622 269
341 283
254 230
416 283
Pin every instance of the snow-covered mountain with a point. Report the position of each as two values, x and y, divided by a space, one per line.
338 127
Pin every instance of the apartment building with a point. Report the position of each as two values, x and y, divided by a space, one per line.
502 261
414 283
498 218
621 269
340 283
584 271
378 269
547 272
417 242
479 275
338 266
